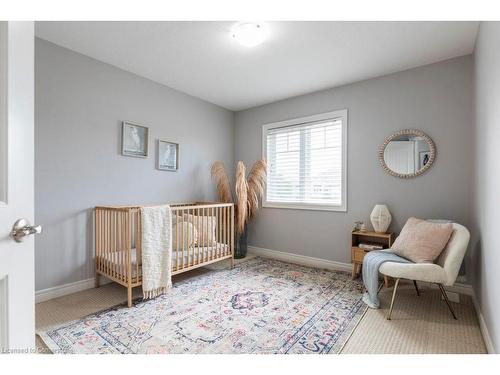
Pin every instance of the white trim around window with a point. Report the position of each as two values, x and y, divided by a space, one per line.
304 123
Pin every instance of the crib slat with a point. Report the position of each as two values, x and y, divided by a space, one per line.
218 231
106 241
123 232
202 226
97 222
196 249
219 241
224 231
129 250
226 227
103 241
209 234
206 253
231 249
212 234
183 253
202 245
228 218
110 248
200 238
184 227
190 216
110 243
124 246
119 248
134 239
206 243
175 245
114 232
113 242
119 244
137 232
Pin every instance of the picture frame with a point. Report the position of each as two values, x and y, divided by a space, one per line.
167 158
135 140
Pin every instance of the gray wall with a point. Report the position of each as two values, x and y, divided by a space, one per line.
485 252
436 99
80 103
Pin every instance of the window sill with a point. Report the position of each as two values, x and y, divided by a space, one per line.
304 206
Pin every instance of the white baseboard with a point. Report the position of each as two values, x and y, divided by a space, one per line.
63 290
300 259
482 325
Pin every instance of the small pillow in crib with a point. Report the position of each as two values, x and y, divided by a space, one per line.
184 235
422 241
205 226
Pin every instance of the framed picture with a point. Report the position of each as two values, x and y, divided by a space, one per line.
168 156
135 140
424 158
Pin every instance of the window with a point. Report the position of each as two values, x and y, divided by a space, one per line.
306 160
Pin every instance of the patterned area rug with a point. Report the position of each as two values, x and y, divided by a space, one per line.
261 306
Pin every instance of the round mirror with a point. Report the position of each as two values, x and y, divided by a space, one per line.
407 153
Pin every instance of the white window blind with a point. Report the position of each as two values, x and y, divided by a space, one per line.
306 163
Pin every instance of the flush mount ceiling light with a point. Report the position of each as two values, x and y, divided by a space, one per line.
249 34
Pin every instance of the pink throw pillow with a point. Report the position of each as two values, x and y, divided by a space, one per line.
422 241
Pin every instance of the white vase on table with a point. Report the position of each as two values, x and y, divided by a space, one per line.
380 218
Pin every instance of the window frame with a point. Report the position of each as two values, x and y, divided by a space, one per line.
333 115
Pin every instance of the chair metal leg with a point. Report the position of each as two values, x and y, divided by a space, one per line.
443 292
393 297
380 287
416 287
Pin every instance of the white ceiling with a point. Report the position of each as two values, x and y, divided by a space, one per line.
203 60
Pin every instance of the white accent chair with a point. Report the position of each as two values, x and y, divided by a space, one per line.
443 272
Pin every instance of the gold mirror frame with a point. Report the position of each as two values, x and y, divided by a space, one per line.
415 132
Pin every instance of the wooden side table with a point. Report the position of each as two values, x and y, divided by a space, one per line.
358 254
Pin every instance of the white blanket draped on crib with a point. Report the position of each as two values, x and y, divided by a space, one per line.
156 250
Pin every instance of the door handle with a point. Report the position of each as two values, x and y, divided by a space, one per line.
22 228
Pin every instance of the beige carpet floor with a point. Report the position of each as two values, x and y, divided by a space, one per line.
419 324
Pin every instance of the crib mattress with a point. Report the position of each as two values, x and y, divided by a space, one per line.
192 254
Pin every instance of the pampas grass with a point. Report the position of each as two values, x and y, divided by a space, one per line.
241 189
256 185
249 190
218 173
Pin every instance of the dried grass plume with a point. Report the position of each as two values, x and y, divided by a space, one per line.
218 173
241 189
256 186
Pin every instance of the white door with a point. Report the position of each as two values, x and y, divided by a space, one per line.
400 156
17 289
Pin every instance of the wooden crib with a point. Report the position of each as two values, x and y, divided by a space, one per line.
118 241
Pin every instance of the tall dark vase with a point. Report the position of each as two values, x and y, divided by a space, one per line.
241 245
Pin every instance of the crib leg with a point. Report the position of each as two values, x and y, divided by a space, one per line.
232 263
129 296
97 280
